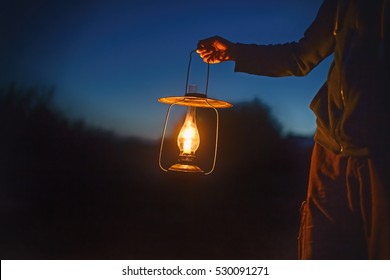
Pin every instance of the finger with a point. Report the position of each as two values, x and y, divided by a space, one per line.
210 58
219 46
206 57
206 53
213 61
203 50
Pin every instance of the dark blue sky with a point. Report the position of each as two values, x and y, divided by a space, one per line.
111 60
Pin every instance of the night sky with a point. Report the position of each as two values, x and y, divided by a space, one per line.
109 61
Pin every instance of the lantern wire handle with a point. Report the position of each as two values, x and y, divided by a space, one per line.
163 134
216 138
188 74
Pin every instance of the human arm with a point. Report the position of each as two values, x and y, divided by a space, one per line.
290 59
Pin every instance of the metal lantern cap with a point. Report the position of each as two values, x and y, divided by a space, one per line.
195 101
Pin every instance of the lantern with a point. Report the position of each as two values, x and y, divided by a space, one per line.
188 139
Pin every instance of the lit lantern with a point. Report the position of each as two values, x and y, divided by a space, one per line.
188 139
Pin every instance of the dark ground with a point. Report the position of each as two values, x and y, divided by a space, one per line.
69 191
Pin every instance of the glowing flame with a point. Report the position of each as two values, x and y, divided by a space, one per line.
188 139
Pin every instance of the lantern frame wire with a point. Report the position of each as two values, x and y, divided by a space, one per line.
193 100
215 146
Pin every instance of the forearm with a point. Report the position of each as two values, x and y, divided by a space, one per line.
295 58
270 60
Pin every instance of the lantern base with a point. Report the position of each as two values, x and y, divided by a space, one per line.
185 168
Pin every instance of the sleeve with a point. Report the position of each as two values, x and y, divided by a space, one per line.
294 58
